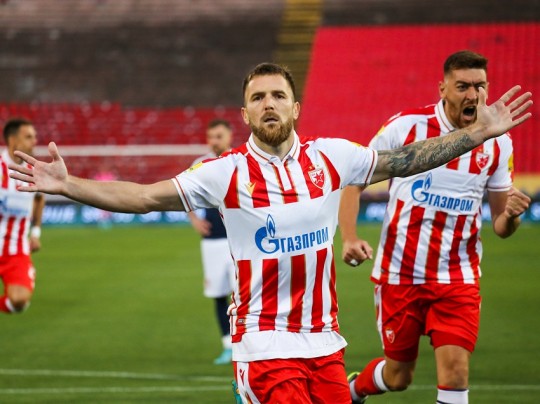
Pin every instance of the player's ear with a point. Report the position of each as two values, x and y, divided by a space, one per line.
442 88
296 110
245 116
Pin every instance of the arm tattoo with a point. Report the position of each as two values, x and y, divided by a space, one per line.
426 154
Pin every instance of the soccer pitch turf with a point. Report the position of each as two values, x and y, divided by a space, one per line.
118 316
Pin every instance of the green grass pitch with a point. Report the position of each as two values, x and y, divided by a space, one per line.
118 316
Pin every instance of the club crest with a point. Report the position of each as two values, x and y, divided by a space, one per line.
482 160
390 336
317 177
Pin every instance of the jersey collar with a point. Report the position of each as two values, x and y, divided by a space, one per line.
265 158
446 126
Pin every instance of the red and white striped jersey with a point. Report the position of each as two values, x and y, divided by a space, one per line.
281 217
431 228
15 212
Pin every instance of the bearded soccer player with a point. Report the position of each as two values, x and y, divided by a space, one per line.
278 195
427 267
20 220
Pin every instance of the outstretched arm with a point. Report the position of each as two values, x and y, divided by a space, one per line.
115 196
491 121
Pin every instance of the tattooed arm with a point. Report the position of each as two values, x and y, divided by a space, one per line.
491 121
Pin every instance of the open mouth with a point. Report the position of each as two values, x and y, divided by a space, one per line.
469 111
270 119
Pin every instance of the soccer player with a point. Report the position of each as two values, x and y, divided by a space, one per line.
279 195
218 266
427 267
20 220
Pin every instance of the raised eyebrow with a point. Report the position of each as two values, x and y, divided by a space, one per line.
279 92
257 94
466 83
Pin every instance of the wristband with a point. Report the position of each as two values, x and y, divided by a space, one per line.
35 232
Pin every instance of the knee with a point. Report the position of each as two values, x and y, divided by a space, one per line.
399 381
456 374
399 384
20 305
19 298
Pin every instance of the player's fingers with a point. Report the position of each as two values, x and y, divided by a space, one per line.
508 95
26 157
482 96
16 168
522 109
520 101
27 188
353 263
53 151
22 177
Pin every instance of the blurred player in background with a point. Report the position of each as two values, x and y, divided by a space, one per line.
427 267
279 196
218 266
20 221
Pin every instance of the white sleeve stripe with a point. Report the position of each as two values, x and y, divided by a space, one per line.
179 189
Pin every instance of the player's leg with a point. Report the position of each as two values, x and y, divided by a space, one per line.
221 306
19 281
453 323
328 380
217 266
18 297
452 374
400 324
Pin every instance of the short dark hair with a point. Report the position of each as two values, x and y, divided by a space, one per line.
465 59
217 122
13 125
269 69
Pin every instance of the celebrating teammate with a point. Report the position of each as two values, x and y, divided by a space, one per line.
20 220
218 266
278 195
427 267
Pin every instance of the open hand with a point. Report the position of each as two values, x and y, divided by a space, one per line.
499 118
44 177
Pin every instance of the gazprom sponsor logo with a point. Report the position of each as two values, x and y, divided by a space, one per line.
266 241
12 208
420 193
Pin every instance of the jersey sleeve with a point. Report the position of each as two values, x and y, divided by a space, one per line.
390 136
502 177
204 185
355 163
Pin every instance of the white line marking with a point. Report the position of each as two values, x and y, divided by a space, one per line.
127 150
109 390
108 375
175 389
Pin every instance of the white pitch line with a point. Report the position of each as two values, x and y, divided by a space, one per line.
109 375
180 389
110 390
157 376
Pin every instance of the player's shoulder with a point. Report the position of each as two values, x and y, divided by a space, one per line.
332 147
504 141
322 141
403 121
414 113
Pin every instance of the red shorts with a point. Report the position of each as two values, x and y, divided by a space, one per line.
448 314
297 380
18 270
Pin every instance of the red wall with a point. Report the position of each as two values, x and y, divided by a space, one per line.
360 76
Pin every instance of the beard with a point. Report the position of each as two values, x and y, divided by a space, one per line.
273 136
